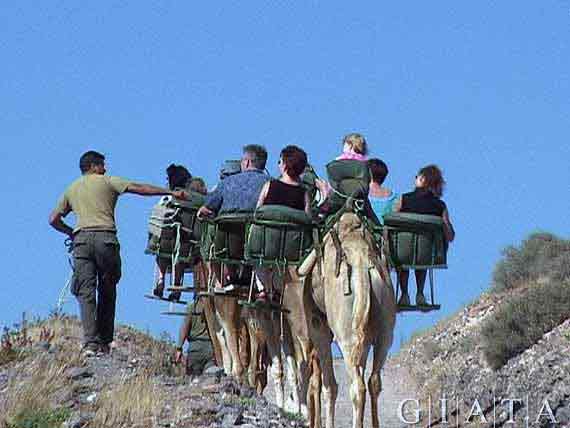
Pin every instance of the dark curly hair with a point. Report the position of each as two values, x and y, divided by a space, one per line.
295 160
434 179
178 176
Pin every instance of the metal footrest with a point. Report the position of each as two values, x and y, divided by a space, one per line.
418 308
231 294
174 313
164 299
180 288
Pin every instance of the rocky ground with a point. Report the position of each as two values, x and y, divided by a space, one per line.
447 363
134 386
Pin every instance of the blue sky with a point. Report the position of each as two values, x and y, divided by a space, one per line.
480 88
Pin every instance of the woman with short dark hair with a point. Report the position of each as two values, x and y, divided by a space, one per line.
382 199
288 189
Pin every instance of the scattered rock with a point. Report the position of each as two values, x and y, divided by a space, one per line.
79 373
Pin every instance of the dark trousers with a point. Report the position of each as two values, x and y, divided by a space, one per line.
200 357
97 270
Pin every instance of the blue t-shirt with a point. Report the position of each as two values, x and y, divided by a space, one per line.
237 192
383 206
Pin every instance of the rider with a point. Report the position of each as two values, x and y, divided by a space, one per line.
287 191
179 178
97 262
238 192
425 199
381 198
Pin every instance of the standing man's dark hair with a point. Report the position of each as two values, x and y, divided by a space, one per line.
90 158
96 258
256 154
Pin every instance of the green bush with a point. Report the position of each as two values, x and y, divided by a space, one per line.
34 418
541 255
523 320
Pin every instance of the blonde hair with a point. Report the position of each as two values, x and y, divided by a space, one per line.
356 142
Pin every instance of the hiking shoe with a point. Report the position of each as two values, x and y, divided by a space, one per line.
90 349
421 300
104 349
404 300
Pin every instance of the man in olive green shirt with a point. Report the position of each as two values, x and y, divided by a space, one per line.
194 329
97 260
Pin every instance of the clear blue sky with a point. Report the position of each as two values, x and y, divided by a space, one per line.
480 88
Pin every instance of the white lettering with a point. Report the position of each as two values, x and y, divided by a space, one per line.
476 411
511 402
548 410
416 412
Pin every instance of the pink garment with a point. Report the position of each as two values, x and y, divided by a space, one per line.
350 155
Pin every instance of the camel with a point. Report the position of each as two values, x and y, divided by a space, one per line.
354 290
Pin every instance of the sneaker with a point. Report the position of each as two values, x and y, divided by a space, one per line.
421 300
404 300
261 297
90 349
230 287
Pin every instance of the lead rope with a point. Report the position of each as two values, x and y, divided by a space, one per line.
65 290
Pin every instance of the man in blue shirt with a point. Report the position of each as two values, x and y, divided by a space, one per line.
239 191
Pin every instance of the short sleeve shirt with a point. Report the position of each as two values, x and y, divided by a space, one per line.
93 197
422 202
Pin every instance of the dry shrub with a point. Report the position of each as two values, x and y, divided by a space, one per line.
35 385
541 255
136 400
523 320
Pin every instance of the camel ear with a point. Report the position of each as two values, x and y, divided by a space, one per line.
308 264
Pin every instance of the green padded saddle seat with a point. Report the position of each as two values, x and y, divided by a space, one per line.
416 241
350 178
224 238
279 234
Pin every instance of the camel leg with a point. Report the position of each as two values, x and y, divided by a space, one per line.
277 371
330 387
225 351
314 391
357 389
254 350
375 381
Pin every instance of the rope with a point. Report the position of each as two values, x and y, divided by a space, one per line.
66 288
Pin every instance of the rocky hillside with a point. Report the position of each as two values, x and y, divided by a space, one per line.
448 362
45 382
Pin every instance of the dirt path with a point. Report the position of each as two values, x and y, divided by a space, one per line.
397 386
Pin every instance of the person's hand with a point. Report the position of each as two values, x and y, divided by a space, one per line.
204 211
180 194
178 356
323 187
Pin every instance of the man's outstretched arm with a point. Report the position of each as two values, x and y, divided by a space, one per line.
150 190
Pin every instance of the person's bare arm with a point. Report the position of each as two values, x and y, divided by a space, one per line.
397 205
150 190
262 195
447 226
308 204
182 336
56 221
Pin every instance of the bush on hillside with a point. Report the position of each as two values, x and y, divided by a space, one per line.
540 256
523 320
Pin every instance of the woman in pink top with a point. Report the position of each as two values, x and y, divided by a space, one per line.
354 147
